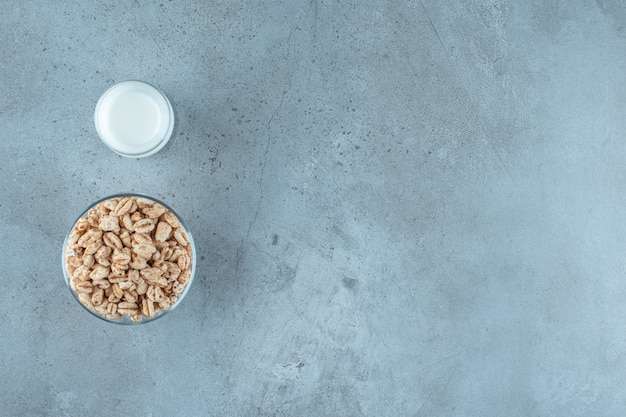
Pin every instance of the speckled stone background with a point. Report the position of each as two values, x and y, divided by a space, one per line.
403 208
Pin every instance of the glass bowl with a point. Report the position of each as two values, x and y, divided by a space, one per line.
74 256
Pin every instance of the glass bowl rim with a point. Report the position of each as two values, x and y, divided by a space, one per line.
125 320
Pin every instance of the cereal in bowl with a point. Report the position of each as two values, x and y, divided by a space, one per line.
128 256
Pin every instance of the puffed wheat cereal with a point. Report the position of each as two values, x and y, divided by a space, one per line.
128 256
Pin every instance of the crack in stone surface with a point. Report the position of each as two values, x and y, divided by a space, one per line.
266 153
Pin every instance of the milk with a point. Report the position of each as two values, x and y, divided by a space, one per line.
134 119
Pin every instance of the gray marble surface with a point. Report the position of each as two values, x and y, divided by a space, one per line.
403 208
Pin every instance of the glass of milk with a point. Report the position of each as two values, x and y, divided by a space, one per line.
134 119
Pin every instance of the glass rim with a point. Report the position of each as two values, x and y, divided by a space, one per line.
163 140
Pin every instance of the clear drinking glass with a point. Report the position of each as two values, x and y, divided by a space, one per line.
134 119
